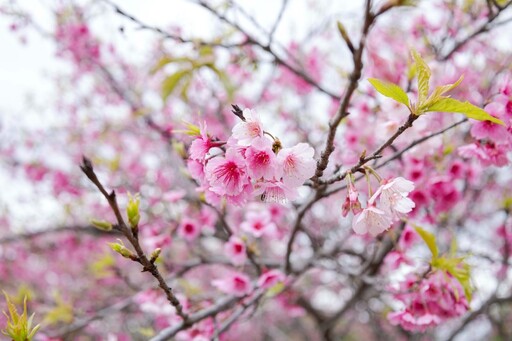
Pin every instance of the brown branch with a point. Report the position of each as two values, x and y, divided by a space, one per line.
371 270
486 27
221 305
376 154
342 111
236 315
333 127
132 236
266 47
403 151
89 229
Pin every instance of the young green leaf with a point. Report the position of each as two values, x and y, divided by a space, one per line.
390 90
429 239
171 82
423 72
439 91
466 108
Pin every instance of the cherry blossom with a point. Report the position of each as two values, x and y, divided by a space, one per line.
297 164
246 131
235 283
235 250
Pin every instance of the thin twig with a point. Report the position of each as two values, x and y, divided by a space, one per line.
132 237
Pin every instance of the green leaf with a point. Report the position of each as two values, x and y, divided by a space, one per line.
429 239
390 90
168 60
459 269
171 82
441 90
423 72
466 108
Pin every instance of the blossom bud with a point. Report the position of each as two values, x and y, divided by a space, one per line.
101 225
122 250
132 210
155 254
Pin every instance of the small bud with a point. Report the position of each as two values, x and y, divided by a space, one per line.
276 146
101 225
344 35
238 112
132 210
122 250
155 254
363 155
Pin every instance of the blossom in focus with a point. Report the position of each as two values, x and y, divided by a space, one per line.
227 175
351 201
260 159
371 220
246 132
297 164
393 197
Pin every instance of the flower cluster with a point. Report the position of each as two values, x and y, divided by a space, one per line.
493 141
249 164
429 302
393 203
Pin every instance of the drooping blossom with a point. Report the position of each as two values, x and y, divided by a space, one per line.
235 250
246 132
276 192
235 283
297 164
351 203
371 220
393 197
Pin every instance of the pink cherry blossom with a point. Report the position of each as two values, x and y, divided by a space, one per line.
489 130
393 197
246 132
409 322
227 175
276 192
297 164
201 145
352 203
235 250
371 220
235 283
270 278
261 160
258 223
189 229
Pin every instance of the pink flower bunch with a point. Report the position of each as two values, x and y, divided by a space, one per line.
393 204
493 140
429 301
77 40
249 164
